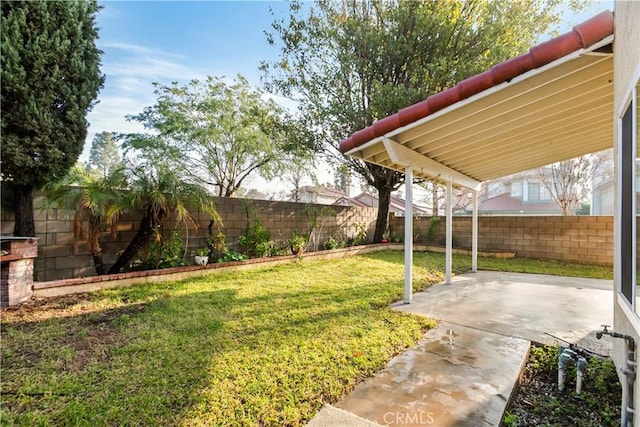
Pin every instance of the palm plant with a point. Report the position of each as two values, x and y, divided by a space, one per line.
97 199
157 191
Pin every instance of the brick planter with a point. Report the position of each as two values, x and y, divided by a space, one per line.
16 260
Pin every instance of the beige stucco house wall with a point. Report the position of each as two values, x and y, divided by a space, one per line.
626 75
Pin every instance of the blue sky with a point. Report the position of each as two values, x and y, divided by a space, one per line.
153 41
165 41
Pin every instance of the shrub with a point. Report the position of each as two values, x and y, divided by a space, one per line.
203 252
330 243
229 256
267 248
296 243
256 239
165 253
218 244
433 225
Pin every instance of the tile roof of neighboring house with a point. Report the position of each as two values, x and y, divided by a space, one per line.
399 203
351 202
321 190
583 35
506 203
395 202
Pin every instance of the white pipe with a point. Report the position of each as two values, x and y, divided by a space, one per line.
579 382
474 233
560 379
449 207
408 234
581 366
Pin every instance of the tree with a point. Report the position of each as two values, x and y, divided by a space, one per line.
569 181
301 167
436 197
98 199
50 79
350 63
219 134
104 155
157 190
342 178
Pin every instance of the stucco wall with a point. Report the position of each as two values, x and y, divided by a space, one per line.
626 71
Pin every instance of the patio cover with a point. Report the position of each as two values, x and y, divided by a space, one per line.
550 104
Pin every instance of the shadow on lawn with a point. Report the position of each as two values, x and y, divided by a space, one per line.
154 359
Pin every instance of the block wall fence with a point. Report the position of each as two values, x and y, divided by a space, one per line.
586 239
60 256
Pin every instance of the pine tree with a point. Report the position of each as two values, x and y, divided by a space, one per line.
104 155
50 79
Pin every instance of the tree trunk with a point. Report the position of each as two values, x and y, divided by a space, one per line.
96 249
434 199
384 198
141 238
97 261
385 181
24 225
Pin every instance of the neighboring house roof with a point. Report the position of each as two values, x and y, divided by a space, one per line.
323 191
504 203
348 201
317 194
501 127
396 204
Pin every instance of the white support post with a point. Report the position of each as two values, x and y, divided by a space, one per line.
449 213
408 235
474 232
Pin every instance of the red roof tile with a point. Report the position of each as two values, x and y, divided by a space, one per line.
582 36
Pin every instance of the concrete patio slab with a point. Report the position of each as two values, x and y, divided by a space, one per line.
454 376
462 372
330 416
527 306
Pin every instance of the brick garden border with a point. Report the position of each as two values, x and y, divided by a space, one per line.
95 283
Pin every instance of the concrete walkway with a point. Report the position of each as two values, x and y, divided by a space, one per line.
462 373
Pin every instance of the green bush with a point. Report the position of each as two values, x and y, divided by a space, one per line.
218 244
296 243
165 253
230 256
256 240
330 243
433 225
268 248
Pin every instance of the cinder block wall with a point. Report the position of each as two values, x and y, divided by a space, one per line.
60 256
587 239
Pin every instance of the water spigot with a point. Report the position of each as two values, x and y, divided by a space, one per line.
605 331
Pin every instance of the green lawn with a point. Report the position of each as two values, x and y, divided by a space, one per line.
263 347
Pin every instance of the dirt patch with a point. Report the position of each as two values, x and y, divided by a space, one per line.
73 328
538 401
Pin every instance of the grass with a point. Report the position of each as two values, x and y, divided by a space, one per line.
262 347
535 266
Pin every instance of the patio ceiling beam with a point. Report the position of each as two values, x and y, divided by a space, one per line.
406 157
